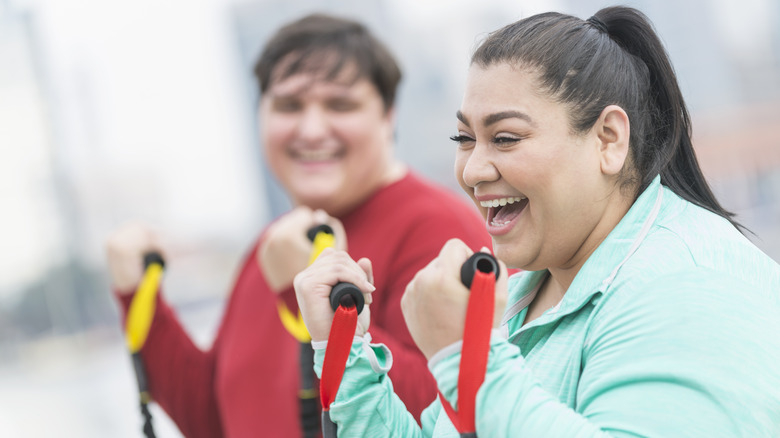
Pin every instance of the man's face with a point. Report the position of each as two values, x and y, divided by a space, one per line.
329 142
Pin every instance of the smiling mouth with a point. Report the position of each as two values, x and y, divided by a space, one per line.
316 156
502 211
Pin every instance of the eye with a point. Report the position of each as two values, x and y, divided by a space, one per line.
286 105
462 139
343 105
505 140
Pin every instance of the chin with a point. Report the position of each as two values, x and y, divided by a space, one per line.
317 202
502 253
507 253
317 192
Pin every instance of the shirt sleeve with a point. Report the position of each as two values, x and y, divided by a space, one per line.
365 404
686 356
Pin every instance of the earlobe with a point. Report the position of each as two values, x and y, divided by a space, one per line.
613 130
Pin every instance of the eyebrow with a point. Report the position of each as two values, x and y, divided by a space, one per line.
496 117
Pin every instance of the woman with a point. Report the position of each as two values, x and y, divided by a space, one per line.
327 116
642 310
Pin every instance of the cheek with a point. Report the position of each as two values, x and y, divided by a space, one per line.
460 165
362 133
275 132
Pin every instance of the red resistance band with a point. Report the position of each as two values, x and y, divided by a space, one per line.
474 353
347 301
342 331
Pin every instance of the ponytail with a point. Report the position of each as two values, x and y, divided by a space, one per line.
673 155
613 58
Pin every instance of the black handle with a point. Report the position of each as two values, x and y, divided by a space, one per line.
153 257
479 261
347 295
312 233
344 294
329 428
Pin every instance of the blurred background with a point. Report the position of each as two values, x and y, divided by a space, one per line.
115 110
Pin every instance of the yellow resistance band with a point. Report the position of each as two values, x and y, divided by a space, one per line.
293 324
141 312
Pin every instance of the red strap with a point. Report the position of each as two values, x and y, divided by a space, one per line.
474 353
342 331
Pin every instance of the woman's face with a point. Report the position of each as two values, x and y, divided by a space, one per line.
538 185
329 142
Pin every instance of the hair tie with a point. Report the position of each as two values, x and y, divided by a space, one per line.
598 24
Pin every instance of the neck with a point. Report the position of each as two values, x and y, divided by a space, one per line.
563 276
394 171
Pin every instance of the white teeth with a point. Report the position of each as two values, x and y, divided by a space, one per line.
500 201
315 155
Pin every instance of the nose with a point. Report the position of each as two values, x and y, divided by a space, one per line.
479 166
313 124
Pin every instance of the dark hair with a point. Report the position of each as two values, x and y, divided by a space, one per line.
614 57
325 44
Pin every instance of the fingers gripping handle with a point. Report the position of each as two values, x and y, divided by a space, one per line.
344 294
479 261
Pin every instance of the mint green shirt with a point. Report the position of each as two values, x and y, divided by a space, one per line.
671 328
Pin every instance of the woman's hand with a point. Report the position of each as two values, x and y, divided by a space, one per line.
313 286
435 301
285 249
125 250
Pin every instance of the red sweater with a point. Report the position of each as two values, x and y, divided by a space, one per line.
246 385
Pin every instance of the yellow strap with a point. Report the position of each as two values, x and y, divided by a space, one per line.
321 241
291 323
139 316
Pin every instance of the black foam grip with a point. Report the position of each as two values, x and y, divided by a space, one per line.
153 257
479 261
346 294
312 233
140 372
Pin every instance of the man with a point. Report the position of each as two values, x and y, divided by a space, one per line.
327 116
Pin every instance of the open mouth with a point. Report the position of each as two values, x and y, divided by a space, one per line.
502 211
316 156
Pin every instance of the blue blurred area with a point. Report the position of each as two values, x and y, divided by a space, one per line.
114 111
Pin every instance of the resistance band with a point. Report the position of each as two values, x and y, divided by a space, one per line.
479 273
347 301
321 237
139 319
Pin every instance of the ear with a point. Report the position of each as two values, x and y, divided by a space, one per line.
612 132
390 118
